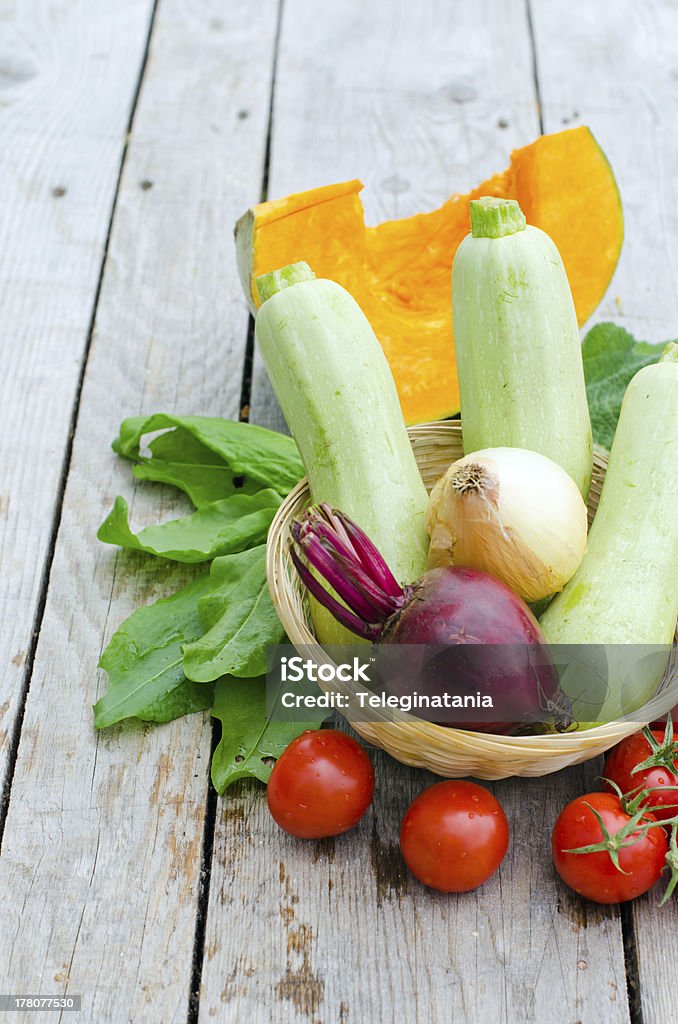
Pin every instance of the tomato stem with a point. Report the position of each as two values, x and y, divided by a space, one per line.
664 754
672 864
636 798
632 832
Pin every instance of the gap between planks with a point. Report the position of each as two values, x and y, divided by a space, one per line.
631 966
68 453
535 64
212 798
246 390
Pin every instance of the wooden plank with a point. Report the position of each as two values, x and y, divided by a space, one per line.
101 861
336 931
616 67
68 73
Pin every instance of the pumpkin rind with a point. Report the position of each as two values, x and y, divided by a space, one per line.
399 271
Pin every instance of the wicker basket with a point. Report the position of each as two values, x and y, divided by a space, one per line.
445 751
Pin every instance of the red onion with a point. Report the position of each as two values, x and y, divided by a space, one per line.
477 635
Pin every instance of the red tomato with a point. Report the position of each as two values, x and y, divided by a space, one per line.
454 836
594 875
634 750
321 785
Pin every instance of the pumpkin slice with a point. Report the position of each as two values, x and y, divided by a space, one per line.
399 271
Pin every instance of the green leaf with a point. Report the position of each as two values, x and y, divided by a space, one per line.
228 525
611 358
239 618
248 450
177 458
144 661
248 736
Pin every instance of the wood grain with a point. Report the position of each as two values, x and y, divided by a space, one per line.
615 68
417 101
68 73
101 860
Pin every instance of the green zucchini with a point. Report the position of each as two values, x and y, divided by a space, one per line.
626 590
338 396
517 345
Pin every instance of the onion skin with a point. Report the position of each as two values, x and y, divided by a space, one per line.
506 659
457 605
510 512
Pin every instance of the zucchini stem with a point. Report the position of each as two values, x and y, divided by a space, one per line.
273 282
669 353
494 218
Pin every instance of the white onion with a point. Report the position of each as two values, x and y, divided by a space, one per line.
510 512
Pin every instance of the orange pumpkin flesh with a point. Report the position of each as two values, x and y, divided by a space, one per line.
399 271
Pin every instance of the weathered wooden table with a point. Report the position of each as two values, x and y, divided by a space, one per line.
133 134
